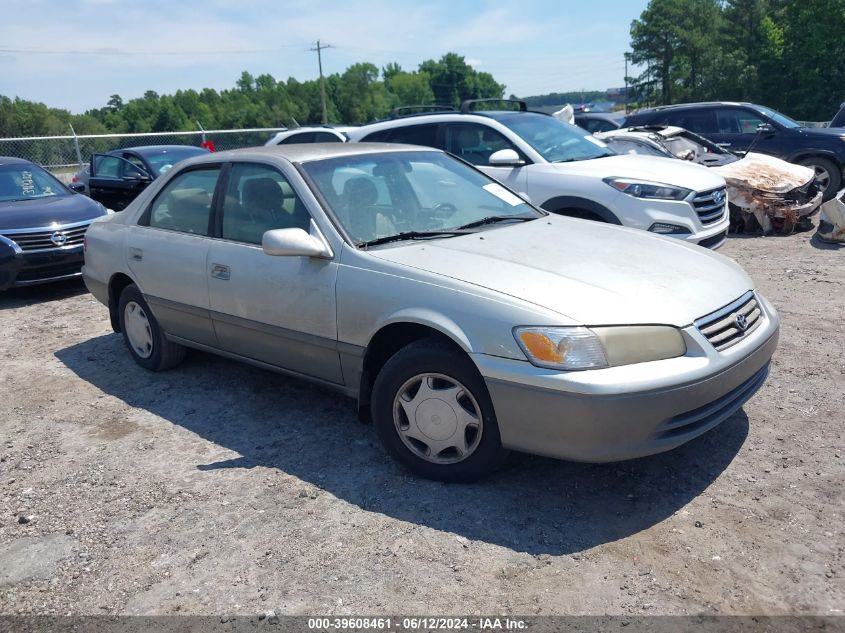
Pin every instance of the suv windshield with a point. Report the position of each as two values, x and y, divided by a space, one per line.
412 195
554 140
27 182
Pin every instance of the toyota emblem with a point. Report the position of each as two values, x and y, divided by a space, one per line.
741 322
58 238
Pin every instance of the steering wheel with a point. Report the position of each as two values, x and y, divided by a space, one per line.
444 210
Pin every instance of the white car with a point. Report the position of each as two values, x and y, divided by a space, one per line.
314 134
565 170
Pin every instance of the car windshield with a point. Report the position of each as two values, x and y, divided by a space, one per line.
630 146
27 182
779 118
165 159
412 195
554 140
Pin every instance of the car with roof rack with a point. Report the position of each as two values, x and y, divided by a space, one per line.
565 170
744 127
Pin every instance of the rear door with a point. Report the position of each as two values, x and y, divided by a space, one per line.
114 181
167 251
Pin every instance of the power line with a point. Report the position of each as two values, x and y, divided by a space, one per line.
108 51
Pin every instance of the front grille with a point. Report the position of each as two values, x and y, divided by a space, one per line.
710 205
42 239
723 328
43 273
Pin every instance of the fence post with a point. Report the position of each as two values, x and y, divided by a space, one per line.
76 146
199 125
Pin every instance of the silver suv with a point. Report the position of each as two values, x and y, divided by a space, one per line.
565 170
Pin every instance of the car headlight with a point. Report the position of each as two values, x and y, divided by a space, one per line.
579 348
649 190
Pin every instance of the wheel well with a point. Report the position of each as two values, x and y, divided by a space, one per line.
579 213
116 285
384 344
576 207
811 155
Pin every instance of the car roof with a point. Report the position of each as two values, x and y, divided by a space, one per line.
606 116
448 116
305 152
157 149
12 160
679 106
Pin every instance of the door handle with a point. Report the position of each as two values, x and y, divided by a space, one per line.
220 271
136 254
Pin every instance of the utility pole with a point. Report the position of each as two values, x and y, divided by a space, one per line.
626 83
319 47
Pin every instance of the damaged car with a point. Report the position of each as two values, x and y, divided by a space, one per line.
765 193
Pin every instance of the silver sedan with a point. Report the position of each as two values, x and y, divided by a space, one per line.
464 321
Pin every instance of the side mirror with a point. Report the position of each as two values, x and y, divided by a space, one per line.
78 187
505 158
293 243
765 128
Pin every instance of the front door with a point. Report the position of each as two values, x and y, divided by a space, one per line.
279 310
114 182
167 252
476 143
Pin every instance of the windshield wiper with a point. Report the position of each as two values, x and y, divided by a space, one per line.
493 219
413 235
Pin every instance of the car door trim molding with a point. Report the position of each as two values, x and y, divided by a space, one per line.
275 330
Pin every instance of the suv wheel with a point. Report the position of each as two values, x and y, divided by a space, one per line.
828 175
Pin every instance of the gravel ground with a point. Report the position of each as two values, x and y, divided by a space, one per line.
218 488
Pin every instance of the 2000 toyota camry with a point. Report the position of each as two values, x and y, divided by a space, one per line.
464 321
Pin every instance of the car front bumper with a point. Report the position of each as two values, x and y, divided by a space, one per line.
27 268
626 412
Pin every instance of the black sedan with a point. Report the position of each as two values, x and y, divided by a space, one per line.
117 177
42 225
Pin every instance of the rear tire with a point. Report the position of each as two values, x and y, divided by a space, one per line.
142 334
451 433
828 175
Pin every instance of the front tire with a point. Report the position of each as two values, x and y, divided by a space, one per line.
433 414
828 175
142 334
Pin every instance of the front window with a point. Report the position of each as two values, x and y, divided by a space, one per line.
554 140
27 182
413 195
780 119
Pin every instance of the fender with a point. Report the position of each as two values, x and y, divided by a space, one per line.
809 153
574 202
436 321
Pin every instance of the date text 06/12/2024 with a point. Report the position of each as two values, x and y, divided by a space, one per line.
417 624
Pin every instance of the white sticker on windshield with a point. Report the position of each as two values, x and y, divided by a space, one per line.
595 141
503 194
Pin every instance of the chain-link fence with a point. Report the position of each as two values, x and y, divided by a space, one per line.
64 154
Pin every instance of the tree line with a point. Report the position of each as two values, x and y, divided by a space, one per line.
360 94
786 54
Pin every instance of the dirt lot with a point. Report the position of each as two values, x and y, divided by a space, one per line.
217 488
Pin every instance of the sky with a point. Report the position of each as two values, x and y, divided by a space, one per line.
75 54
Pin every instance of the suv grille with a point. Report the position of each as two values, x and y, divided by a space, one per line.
728 326
42 240
710 205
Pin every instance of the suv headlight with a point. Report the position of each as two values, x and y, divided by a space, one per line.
578 348
646 189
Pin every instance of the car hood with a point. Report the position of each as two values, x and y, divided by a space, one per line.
593 273
765 173
670 171
45 212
